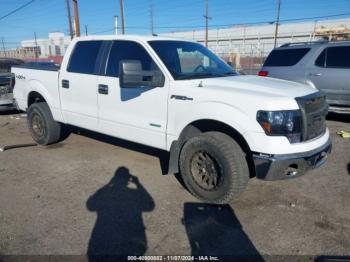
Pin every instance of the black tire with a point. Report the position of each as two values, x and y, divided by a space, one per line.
43 128
225 174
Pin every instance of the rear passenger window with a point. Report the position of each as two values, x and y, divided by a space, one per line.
128 50
338 57
286 57
84 56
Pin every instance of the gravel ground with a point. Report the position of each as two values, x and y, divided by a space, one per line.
96 194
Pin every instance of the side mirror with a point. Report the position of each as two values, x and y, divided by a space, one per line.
131 75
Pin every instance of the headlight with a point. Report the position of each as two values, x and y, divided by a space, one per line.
281 123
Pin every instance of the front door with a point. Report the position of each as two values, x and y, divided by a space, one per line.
137 114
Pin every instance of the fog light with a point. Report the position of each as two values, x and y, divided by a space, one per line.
292 170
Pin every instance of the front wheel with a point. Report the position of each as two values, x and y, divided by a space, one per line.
214 168
43 128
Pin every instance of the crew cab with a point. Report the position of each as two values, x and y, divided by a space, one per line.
221 128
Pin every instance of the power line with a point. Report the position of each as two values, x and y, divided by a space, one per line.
250 23
221 25
17 9
103 31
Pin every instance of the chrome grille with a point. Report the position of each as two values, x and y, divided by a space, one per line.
314 109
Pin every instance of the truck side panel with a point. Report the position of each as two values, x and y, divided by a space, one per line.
44 82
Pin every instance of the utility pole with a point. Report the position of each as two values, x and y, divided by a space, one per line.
36 47
69 20
116 24
76 18
3 46
121 3
86 31
277 21
151 19
206 23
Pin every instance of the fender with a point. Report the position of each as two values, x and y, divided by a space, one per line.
210 110
37 86
216 111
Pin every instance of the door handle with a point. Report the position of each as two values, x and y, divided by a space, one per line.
103 89
179 97
65 83
315 74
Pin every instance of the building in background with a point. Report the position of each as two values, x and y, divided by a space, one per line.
55 45
41 49
246 46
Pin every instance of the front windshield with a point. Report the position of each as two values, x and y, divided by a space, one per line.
187 60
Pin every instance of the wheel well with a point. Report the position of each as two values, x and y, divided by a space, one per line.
35 97
206 125
212 125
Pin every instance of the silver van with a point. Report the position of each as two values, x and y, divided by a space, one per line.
322 65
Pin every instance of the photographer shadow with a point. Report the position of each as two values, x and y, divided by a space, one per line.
119 228
215 230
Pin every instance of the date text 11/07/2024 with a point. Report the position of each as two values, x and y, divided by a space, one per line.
173 258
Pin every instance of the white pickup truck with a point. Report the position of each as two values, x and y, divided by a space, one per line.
221 128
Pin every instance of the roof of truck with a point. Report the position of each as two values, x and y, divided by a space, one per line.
128 37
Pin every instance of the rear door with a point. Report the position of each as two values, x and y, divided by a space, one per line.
138 114
78 85
331 74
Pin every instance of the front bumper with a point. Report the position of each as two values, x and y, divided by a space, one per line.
276 167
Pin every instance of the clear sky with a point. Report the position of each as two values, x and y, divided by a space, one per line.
44 16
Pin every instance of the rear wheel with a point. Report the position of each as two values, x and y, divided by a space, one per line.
214 168
43 128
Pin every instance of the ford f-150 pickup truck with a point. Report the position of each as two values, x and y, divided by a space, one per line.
221 128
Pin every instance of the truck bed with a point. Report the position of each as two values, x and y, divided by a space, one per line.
47 66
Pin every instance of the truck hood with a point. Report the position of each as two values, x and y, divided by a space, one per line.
263 86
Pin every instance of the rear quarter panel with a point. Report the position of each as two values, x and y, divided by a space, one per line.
44 82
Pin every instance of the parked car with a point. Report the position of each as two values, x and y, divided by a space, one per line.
7 82
321 65
219 127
